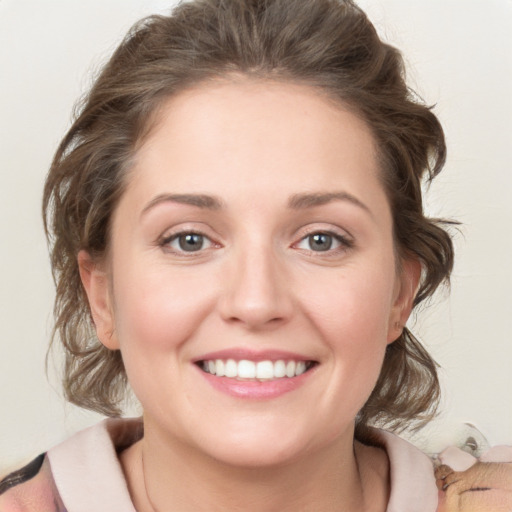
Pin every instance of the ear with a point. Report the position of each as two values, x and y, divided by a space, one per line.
96 283
405 292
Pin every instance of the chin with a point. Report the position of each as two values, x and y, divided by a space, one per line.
262 444
259 454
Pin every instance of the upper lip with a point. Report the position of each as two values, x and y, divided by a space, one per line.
239 354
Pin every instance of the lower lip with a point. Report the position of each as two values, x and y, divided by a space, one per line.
250 389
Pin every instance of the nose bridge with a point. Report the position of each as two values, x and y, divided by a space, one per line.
256 294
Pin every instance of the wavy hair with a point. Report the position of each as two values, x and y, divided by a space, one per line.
328 44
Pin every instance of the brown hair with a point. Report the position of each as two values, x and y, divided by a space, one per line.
328 44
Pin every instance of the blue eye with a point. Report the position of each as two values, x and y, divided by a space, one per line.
188 242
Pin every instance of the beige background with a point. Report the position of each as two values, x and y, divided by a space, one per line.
459 58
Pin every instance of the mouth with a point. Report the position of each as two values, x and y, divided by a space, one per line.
255 371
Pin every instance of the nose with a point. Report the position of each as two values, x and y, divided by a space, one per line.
256 291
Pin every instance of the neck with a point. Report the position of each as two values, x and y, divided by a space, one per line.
166 476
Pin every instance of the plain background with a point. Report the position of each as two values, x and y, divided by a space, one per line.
459 57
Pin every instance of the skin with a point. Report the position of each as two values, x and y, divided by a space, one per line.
256 284
484 487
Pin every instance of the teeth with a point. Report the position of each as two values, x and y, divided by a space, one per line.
300 368
231 368
246 370
219 368
261 370
265 370
279 369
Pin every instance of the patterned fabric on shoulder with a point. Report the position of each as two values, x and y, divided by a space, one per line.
30 489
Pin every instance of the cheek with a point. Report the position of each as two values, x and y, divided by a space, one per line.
156 316
158 310
353 306
353 319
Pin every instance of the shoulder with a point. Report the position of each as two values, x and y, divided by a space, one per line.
30 489
83 473
454 481
413 485
86 467
411 474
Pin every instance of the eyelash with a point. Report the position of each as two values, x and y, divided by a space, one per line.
166 241
344 243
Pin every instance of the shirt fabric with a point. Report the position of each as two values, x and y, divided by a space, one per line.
83 474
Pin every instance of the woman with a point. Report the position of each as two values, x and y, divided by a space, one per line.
237 230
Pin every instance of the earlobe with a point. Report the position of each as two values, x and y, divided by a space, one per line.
404 298
96 284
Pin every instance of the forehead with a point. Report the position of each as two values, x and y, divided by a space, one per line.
254 130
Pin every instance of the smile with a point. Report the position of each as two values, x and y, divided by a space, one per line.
245 370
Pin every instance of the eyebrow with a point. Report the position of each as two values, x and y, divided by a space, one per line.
303 201
296 201
200 200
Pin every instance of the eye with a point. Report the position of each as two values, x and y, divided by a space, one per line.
187 242
320 241
323 242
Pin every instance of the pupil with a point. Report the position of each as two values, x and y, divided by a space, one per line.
320 242
191 242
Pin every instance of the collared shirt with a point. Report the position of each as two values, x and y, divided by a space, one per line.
83 474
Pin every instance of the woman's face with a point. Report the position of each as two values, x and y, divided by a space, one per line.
254 239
